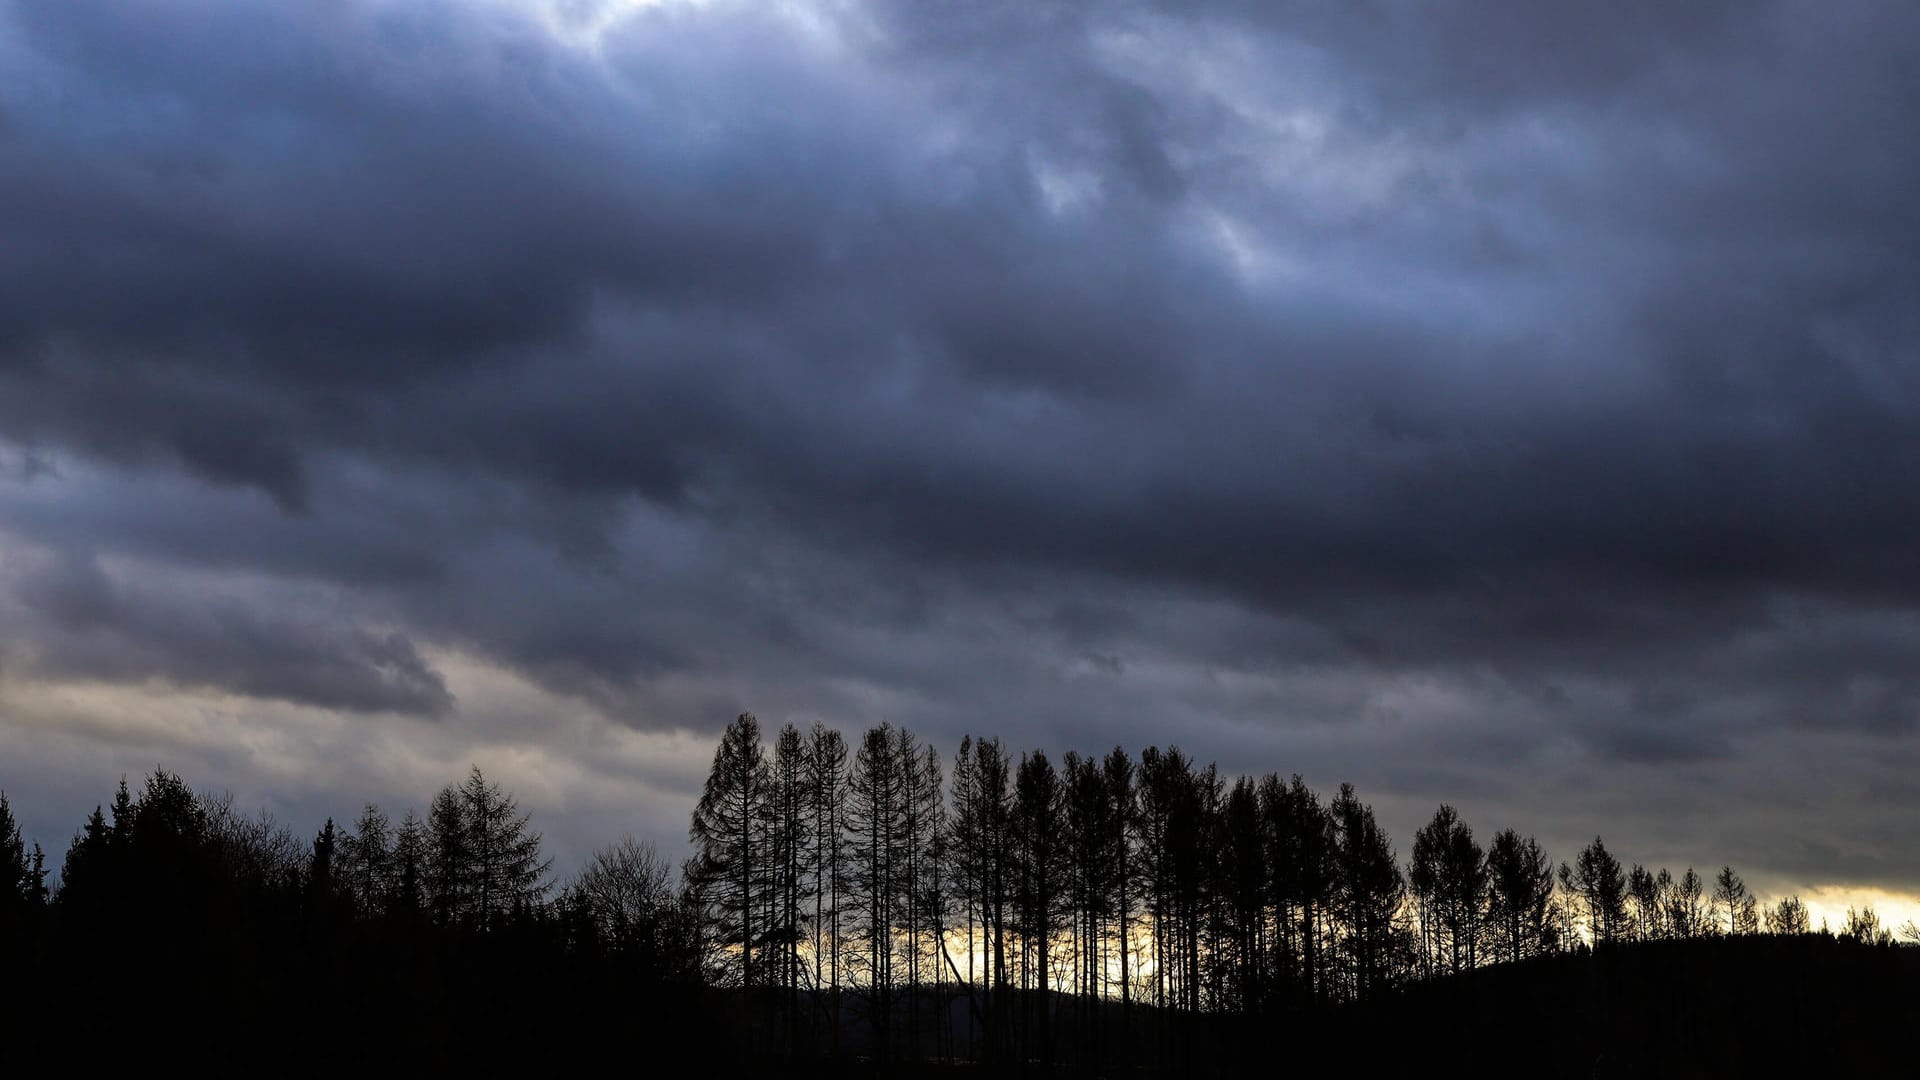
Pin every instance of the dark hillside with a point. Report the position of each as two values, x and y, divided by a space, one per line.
1760 1005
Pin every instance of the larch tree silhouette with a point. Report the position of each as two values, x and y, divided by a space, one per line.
926 924
877 819
1663 890
506 872
1119 775
728 833
15 865
1730 897
1040 857
23 882
963 850
1596 878
1094 862
366 860
1688 914
1306 880
828 854
412 868
1369 902
1170 816
449 870
85 876
1242 877
1448 876
322 880
991 840
1519 896
1643 904
123 814
788 842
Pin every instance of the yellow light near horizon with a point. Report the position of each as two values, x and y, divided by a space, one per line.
1831 902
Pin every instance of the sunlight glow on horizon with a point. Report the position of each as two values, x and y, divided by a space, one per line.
1829 904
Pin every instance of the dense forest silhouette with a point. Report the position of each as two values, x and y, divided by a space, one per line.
877 907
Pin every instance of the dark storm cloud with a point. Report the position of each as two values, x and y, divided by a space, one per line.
1496 53
80 622
1550 366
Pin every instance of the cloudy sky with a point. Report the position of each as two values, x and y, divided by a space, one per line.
1503 403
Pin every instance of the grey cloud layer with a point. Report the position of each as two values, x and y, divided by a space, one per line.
1135 372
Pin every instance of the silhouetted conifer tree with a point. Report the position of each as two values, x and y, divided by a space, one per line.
1598 881
963 848
123 812
38 894
85 877
1093 836
413 855
366 860
876 816
1174 800
1242 877
1688 915
321 881
728 833
1119 787
994 844
15 866
1040 857
1301 836
1448 873
826 786
1730 895
506 871
1519 896
1645 914
449 869
926 893
1663 888
1371 890
788 841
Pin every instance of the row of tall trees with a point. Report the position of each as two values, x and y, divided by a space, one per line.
870 899
1013 903
1616 905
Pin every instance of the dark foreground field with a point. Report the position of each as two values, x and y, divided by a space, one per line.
1753 1006
1808 1005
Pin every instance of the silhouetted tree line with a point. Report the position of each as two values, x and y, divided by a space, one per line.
180 928
870 903
1112 910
